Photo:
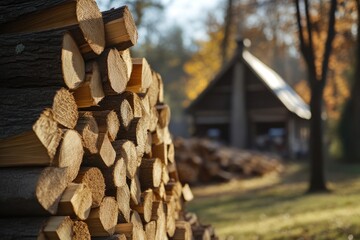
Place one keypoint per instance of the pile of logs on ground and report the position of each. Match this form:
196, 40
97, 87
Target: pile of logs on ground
85, 150
204, 161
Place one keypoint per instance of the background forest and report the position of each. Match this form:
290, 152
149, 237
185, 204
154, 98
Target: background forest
189, 51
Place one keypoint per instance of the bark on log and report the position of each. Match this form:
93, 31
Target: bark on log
93, 178
31, 191
90, 92
42, 15
33, 52
30, 103
120, 29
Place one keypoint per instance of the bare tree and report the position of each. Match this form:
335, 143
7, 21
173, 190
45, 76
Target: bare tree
317, 82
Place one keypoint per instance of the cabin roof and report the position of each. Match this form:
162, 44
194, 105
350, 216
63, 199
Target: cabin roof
289, 98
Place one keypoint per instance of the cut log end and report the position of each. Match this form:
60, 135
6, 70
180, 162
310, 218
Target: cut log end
117, 72
123, 201
91, 23
65, 109
80, 231
73, 65
58, 227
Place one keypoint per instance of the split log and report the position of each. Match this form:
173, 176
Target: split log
158, 135
45, 15
183, 231
144, 208
108, 122
124, 228
127, 150
187, 193
90, 91
153, 91
113, 72
138, 229
31, 191
75, 201
115, 176
174, 188
165, 178
123, 202
171, 152
120, 29
93, 178
33, 228
150, 230
105, 157
161, 222
30, 103
150, 173
148, 144
160, 192
161, 89
160, 151
141, 77
55, 50
126, 114
164, 115
81, 231
136, 134
172, 170
88, 129
135, 190
126, 56
102, 220
37, 147
154, 119
170, 217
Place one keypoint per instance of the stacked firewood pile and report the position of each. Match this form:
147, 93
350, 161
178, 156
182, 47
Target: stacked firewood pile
85, 150
203, 161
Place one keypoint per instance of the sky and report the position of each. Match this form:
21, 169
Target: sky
189, 14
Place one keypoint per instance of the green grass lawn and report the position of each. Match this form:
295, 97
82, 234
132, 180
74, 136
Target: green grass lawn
276, 206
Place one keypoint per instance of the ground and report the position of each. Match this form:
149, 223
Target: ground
276, 206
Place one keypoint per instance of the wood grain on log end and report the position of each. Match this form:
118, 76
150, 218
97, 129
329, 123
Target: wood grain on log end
94, 179
81, 231
65, 109
88, 129
123, 201
59, 227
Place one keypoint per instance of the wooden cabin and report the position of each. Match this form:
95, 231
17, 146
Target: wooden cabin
248, 105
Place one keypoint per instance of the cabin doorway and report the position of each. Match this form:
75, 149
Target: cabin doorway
270, 137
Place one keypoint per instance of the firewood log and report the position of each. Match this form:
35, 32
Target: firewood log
90, 92
125, 229
144, 208
56, 227
187, 193
150, 173
106, 155
170, 217
135, 190
115, 176
160, 151
31, 191
160, 222
113, 72
80, 231
102, 220
88, 129
171, 152
141, 77
159, 192
31, 102
127, 150
123, 202
93, 178
153, 91
183, 231
120, 29
164, 115
32, 52
41, 15
75, 201
165, 178
138, 229
150, 230
108, 122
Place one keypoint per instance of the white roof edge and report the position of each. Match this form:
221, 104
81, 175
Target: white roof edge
292, 101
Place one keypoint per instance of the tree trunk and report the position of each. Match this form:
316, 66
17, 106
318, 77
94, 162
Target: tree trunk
317, 178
